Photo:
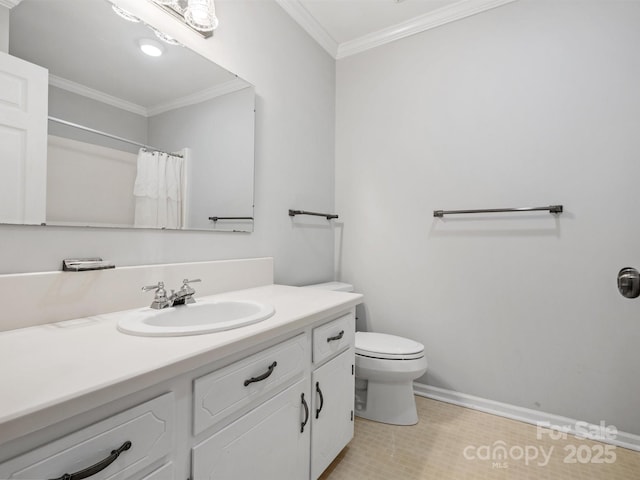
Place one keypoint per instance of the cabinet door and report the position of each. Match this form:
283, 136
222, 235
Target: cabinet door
332, 410
268, 443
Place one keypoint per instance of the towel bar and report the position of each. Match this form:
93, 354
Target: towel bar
550, 208
329, 216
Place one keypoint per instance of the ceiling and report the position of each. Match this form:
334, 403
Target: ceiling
346, 27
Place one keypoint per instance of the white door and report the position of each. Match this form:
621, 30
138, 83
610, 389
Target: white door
332, 410
268, 443
23, 140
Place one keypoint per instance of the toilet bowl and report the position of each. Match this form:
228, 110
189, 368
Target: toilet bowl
385, 368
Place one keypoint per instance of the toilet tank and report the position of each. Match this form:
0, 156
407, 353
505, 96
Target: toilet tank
336, 286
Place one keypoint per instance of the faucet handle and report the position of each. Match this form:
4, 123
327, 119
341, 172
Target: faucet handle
160, 300
159, 286
186, 289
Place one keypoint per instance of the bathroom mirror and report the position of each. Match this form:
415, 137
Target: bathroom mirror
106, 98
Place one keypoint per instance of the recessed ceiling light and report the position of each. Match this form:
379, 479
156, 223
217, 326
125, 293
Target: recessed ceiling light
151, 47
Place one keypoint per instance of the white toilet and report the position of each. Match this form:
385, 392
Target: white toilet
386, 366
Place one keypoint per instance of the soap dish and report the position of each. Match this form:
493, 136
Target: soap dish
84, 264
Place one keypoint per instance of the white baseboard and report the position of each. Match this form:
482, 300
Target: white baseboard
527, 415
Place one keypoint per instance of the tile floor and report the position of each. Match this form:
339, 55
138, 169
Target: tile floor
435, 449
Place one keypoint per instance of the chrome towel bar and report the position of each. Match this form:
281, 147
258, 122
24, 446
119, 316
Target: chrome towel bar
550, 209
329, 216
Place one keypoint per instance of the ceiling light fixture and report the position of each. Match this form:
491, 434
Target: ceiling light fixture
198, 14
151, 47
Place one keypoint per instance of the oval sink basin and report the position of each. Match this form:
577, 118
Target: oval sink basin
194, 318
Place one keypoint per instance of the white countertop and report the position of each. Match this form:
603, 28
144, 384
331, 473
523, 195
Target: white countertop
51, 372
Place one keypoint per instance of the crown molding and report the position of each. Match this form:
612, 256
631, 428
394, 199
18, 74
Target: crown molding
436, 18
308, 22
201, 96
9, 3
97, 95
441, 16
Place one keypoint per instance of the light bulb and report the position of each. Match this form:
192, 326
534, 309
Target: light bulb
200, 14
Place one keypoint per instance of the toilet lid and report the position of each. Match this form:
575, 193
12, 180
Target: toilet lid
382, 345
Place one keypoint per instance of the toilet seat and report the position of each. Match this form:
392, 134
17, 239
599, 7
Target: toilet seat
387, 347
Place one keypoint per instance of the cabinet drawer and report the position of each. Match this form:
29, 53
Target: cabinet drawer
333, 337
149, 427
231, 388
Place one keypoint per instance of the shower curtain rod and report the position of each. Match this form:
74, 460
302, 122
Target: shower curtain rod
115, 137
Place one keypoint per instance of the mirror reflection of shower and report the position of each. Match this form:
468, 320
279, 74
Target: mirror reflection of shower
103, 82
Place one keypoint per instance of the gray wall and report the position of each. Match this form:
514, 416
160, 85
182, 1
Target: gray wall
295, 88
532, 103
220, 136
97, 115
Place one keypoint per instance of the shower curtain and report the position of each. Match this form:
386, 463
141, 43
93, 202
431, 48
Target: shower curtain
158, 190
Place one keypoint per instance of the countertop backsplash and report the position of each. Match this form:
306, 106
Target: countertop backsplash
46, 297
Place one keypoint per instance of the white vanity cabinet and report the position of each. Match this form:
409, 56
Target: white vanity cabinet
332, 391
283, 411
298, 432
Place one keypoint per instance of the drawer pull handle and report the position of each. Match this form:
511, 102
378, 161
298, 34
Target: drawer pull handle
337, 337
98, 467
306, 413
259, 378
319, 392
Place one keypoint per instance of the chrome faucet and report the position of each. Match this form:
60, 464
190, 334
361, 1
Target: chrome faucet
181, 297
185, 294
160, 300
